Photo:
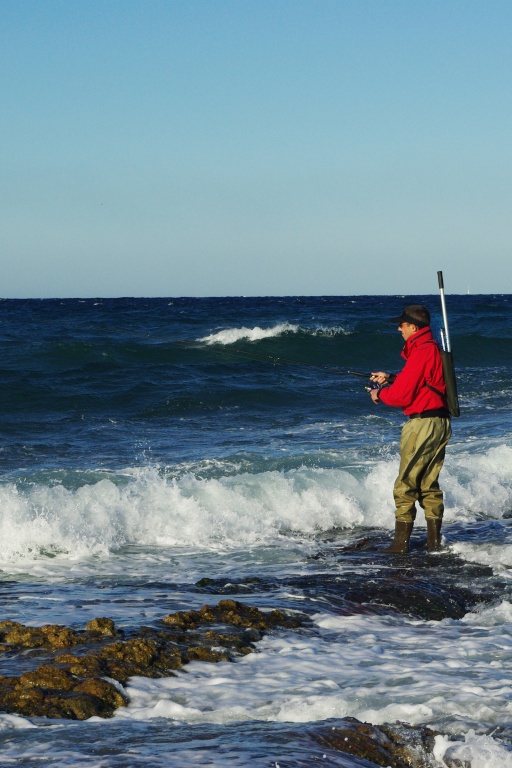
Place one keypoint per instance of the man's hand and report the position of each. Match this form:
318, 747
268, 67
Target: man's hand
379, 377
374, 394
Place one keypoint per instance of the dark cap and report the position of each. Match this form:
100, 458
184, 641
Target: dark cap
415, 314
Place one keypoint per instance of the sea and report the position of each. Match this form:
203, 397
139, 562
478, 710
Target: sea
161, 454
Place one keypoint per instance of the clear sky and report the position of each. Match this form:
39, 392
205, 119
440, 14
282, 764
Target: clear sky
255, 147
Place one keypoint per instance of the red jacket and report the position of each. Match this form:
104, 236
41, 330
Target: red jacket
423, 366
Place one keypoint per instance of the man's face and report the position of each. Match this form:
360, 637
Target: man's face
407, 330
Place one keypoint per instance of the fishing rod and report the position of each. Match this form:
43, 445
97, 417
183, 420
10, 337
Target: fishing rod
447, 357
371, 385
289, 361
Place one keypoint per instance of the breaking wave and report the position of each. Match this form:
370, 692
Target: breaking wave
232, 335
147, 507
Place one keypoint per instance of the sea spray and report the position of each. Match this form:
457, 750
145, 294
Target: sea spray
146, 506
232, 335
154, 510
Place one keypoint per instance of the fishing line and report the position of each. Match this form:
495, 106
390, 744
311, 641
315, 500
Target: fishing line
275, 359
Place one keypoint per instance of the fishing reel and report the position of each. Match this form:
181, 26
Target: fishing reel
373, 385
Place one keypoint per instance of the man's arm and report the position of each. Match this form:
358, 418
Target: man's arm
404, 389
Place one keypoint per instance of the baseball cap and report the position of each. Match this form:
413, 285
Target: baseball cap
415, 314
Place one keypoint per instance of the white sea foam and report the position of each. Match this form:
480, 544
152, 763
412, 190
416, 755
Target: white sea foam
477, 750
497, 556
151, 510
451, 674
14, 723
331, 330
232, 335
478, 483
143, 507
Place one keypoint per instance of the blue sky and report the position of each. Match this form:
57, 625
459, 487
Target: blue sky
255, 147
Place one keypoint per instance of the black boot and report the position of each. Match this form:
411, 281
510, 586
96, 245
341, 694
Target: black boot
400, 545
434, 533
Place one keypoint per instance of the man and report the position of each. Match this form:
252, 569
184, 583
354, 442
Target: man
420, 391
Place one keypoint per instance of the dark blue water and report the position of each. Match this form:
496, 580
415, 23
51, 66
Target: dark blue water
90, 383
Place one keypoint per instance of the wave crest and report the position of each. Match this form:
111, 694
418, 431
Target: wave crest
152, 510
232, 335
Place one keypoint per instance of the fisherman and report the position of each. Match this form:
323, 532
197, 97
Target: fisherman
420, 390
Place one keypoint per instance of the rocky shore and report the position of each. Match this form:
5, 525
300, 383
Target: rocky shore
84, 673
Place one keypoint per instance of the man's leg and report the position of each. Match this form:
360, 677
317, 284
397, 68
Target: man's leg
405, 490
405, 495
422, 450
431, 496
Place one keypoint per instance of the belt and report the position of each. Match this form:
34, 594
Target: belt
433, 412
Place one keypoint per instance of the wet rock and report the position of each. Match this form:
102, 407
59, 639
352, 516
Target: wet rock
399, 745
20, 699
181, 620
53, 692
25, 637
83, 666
226, 587
60, 637
251, 635
47, 676
101, 626
206, 582
413, 745
393, 590
242, 644
424, 600
233, 613
104, 690
73, 685
75, 706
7, 624
49, 636
200, 653
140, 656
136, 651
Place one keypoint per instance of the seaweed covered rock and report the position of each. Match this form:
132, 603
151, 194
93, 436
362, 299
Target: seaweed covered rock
397, 745
233, 613
102, 626
150, 657
49, 636
73, 685
48, 676
50, 691
103, 690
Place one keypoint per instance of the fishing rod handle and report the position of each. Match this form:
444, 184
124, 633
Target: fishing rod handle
440, 281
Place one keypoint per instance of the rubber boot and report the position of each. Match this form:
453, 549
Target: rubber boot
400, 545
434, 533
